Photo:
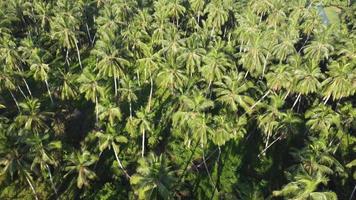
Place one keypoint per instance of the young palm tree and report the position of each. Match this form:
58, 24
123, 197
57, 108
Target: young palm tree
154, 178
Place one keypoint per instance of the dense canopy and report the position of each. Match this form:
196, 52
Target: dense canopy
178, 99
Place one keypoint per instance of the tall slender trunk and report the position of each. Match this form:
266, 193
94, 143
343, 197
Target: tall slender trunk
78, 53
268, 136
88, 32
32, 188
49, 92
295, 102
120, 164
14, 98
21, 91
67, 55
24, 80
96, 109
352, 194
138, 78
187, 164
143, 142
27, 87
264, 96
130, 107
264, 66
326, 99
51, 179
151, 91
115, 85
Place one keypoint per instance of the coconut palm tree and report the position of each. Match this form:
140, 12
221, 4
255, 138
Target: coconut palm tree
78, 163
111, 140
190, 118
67, 87
43, 151
171, 76
254, 56
109, 113
341, 81
191, 56
232, 91
31, 118
65, 27
15, 160
320, 48
321, 118
154, 178
110, 63
143, 124
91, 88
215, 65
127, 92
218, 14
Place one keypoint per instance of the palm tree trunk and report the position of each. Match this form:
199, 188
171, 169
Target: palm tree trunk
266, 148
138, 77
21, 91
352, 194
24, 80
326, 99
130, 107
51, 179
264, 96
115, 86
88, 32
80, 62
284, 98
207, 171
27, 87
264, 66
295, 102
67, 54
14, 98
32, 188
49, 92
268, 136
143, 142
187, 164
151, 91
96, 109
120, 164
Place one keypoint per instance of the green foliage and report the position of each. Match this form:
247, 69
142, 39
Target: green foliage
177, 99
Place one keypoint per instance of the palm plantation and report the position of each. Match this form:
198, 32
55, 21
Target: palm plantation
177, 99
